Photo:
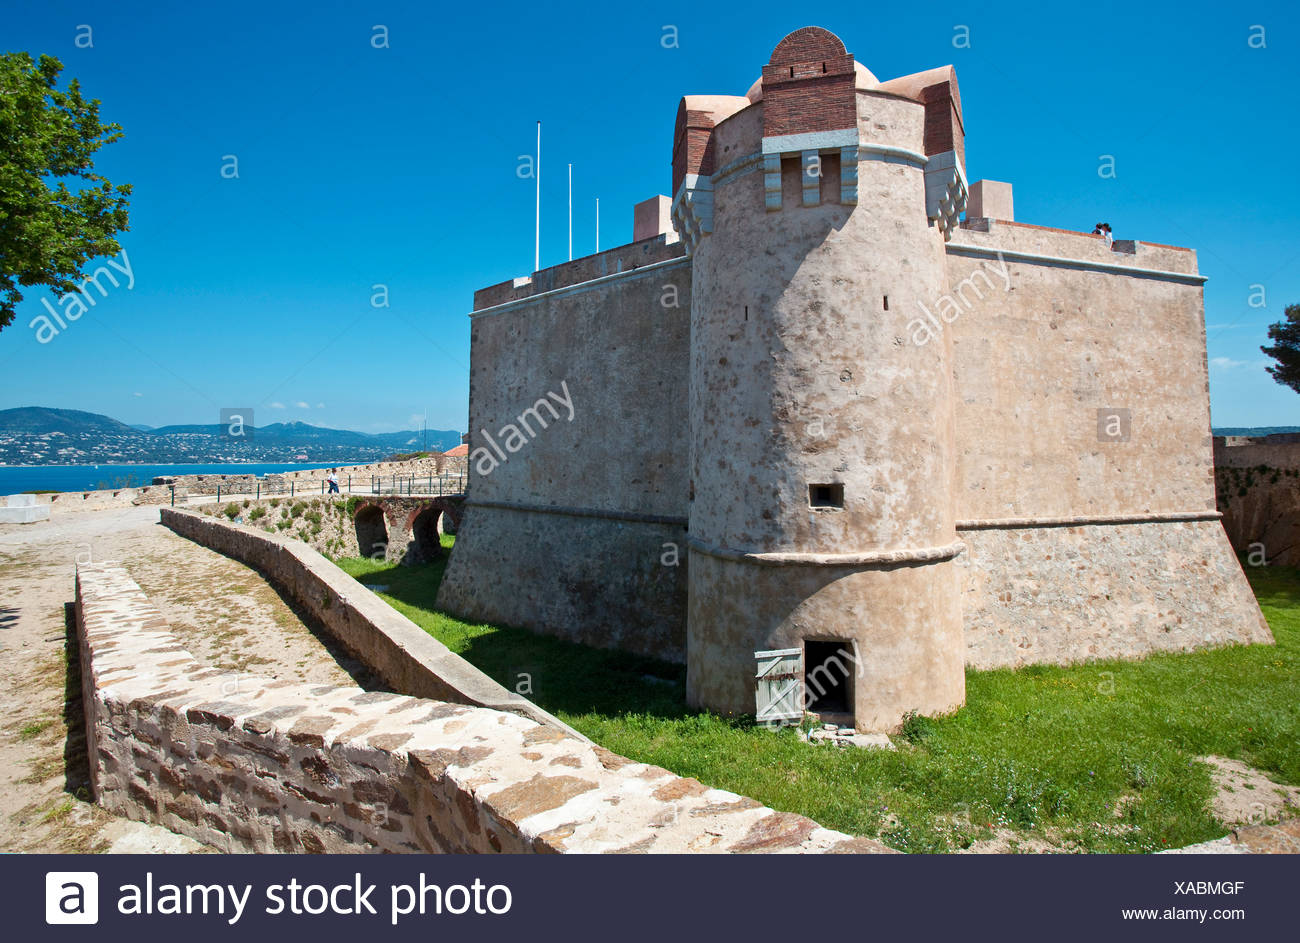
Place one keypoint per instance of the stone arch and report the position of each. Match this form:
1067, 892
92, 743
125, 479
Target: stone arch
451, 515
426, 528
372, 531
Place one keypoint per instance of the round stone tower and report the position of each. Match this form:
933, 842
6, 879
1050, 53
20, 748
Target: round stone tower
822, 441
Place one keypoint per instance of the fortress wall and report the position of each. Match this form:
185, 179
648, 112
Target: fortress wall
1036, 361
250, 764
905, 635
607, 583
623, 258
797, 377
565, 532
800, 376
1128, 543
408, 658
619, 355
1258, 484
1065, 594
1272, 451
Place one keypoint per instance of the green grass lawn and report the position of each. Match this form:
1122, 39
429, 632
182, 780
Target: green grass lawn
1102, 757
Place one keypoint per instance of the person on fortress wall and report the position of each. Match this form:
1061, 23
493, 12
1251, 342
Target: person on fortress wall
1103, 230
333, 480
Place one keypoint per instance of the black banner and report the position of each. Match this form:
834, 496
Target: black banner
1174, 897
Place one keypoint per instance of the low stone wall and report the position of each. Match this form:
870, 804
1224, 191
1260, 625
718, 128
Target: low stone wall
178, 488
399, 651
110, 497
252, 764
1055, 595
310, 479
1257, 483
400, 529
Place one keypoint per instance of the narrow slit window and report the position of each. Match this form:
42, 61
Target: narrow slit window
886, 302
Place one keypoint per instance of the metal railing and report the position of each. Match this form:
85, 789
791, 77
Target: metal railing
409, 485
416, 484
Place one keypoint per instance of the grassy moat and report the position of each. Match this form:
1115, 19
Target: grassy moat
1100, 757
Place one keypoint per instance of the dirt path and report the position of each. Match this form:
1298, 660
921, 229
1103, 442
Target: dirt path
224, 613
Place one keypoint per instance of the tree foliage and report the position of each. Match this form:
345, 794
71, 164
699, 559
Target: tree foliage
56, 213
1285, 335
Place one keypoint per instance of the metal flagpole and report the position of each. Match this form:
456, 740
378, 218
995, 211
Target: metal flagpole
597, 224
570, 212
537, 234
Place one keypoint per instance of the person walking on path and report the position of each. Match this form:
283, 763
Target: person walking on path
333, 480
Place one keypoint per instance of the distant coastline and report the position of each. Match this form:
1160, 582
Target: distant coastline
1253, 432
16, 479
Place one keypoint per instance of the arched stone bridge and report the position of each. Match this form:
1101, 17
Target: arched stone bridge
405, 529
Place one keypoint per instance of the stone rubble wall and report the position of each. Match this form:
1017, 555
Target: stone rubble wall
336, 534
399, 651
60, 501
558, 584
249, 764
1057, 595
1258, 486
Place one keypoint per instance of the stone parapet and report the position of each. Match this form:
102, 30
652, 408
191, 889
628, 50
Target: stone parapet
661, 248
252, 764
1016, 239
399, 651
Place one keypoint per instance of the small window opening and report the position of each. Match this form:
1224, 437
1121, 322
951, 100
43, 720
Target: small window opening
746, 312
826, 496
886, 302
828, 669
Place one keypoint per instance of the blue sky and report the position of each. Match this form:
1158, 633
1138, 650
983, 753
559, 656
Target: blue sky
361, 166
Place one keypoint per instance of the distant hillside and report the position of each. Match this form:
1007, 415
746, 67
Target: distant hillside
39, 420
1254, 430
34, 435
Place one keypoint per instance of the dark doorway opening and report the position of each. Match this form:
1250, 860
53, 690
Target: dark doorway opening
828, 669
424, 535
372, 532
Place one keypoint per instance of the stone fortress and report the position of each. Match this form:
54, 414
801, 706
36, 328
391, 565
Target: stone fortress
816, 412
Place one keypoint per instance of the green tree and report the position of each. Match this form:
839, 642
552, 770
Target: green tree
49, 230
1285, 335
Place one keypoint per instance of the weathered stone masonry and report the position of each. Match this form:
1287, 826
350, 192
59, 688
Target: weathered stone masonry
892, 417
251, 764
1258, 485
399, 651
